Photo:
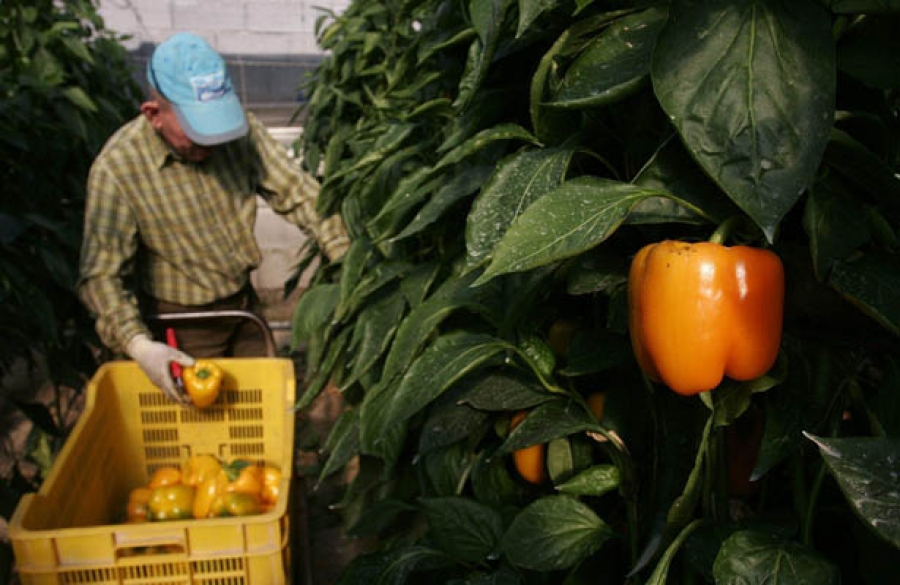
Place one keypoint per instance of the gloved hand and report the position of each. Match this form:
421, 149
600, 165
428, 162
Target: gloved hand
154, 358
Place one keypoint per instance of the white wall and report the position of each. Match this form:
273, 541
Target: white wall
248, 27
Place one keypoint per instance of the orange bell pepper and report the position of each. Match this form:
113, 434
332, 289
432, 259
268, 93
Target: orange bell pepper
702, 311
529, 460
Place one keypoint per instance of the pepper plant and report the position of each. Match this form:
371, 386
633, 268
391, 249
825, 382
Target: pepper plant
65, 85
498, 164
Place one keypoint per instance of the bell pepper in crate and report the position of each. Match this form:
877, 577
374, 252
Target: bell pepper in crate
202, 382
171, 502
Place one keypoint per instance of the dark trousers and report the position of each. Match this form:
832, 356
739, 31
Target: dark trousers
213, 337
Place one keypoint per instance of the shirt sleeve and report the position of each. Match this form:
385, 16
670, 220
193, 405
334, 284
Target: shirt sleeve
292, 193
109, 247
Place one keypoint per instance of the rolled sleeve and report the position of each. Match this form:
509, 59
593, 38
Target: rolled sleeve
292, 193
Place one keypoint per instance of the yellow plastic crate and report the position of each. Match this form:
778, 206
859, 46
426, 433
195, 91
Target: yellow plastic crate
70, 531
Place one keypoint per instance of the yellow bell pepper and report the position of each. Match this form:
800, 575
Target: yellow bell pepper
171, 502
199, 468
202, 382
271, 486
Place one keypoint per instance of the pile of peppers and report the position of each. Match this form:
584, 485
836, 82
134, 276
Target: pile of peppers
205, 487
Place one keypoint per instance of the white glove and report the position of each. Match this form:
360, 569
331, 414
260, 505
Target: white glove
154, 357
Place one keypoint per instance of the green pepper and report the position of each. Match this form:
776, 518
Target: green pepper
171, 502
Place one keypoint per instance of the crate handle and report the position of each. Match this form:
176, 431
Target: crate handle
195, 316
157, 542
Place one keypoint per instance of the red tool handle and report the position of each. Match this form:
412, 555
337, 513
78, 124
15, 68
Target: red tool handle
175, 366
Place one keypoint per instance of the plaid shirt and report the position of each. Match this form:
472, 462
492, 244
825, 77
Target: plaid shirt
184, 231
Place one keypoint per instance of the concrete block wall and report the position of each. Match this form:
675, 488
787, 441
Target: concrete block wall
245, 27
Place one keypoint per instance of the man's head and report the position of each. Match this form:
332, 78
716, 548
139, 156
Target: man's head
193, 82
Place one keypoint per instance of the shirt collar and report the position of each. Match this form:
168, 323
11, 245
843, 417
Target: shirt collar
160, 153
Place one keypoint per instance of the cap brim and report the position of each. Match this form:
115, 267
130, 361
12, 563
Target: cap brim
211, 123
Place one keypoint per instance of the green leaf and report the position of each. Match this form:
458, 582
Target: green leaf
313, 311
752, 556
592, 351
569, 220
615, 64
462, 185
867, 470
503, 390
421, 321
448, 359
594, 481
392, 567
449, 420
517, 182
662, 567
864, 169
554, 533
373, 332
483, 139
378, 517
548, 421
871, 283
77, 96
750, 88
699, 200
342, 443
834, 225
530, 10
466, 530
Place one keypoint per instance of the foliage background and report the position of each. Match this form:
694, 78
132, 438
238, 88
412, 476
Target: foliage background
65, 86
498, 163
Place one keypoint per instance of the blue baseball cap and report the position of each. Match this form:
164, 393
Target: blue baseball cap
191, 75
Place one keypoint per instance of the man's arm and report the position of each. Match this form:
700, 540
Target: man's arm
292, 193
107, 256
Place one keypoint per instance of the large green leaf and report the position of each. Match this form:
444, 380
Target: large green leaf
614, 64
447, 360
867, 470
373, 332
750, 88
503, 391
871, 283
751, 557
418, 325
553, 533
517, 182
466, 530
572, 218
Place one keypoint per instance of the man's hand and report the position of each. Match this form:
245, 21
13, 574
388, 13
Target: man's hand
154, 358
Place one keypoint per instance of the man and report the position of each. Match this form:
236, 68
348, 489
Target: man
170, 213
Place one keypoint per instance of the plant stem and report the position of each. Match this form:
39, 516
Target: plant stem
724, 230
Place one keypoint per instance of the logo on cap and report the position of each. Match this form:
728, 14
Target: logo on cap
210, 87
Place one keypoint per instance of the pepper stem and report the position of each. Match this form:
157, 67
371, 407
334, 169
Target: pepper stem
724, 230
